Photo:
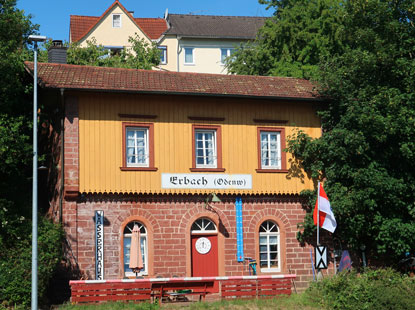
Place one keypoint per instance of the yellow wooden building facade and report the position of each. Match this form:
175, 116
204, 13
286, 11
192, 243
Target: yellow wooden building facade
101, 119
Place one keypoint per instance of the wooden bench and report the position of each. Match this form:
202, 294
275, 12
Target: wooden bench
170, 290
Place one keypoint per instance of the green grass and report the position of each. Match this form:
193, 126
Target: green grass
294, 302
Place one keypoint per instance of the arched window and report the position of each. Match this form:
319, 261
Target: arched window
202, 226
269, 247
127, 243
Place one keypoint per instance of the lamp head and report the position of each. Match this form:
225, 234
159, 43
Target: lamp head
36, 38
215, 198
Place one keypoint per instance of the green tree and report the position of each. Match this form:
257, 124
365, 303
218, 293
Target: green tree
141, 55
367, 151
292, 42
16, 166
15, 109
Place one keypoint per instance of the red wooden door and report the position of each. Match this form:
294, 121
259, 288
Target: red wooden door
205, 265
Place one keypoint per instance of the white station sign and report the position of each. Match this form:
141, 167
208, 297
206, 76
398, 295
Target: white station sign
206, 181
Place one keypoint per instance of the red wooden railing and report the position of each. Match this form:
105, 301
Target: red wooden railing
258, 288
109, 291
92, 291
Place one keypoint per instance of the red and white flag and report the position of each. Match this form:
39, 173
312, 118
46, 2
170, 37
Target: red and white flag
326, 220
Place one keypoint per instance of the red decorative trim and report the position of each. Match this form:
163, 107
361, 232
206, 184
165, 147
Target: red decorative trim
138, 168
150, 127
218, 149
207, 169
137, 116
283, 154
271, 170
206, 118
270, 121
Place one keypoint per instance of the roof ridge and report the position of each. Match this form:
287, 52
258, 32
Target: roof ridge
168, 72
83, 15
241, 16
149, 18
109, 79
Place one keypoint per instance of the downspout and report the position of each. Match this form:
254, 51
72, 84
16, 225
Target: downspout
62, 90
178, 51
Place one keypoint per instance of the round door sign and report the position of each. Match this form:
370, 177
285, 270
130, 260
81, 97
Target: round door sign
203, 245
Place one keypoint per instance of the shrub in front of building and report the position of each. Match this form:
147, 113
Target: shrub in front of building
16, 264
373, 289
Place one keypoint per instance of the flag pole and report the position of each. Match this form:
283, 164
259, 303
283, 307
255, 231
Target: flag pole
318, 214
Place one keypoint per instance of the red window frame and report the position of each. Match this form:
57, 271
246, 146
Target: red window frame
283, 154
150, 127
218, 130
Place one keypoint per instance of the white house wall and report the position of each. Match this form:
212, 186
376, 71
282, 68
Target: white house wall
106, 35
206, 53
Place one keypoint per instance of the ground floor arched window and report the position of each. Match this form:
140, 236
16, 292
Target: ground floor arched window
269, 247
127, 244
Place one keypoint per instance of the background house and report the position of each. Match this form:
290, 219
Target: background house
113, 28
188, 43
150, 148
200, 43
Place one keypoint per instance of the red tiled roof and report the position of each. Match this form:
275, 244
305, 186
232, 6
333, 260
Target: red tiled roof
81, 25
152, 27
146, 81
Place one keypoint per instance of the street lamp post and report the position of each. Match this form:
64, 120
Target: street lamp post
35, 40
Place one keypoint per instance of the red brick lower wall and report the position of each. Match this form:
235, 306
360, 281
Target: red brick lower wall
168, 224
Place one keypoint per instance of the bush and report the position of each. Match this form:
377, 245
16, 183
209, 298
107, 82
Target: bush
16, 265
380, 289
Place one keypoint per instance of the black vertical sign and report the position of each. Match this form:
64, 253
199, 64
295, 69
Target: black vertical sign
99, 245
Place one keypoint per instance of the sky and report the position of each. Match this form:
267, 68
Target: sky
53, 15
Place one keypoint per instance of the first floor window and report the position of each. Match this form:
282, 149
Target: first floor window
113, 50
206, 153
137, 147
270, 149
188, 55
163, 54
225, 53
116, 21
143, 246
269, 247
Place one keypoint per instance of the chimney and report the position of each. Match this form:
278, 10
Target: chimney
57, 52
132, 13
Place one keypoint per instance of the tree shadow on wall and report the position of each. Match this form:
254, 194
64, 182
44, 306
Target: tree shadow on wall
59, 290
295, 170
222, 229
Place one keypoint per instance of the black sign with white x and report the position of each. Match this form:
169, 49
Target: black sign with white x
321, 257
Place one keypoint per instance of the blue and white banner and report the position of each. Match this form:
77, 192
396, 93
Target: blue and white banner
239, 231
